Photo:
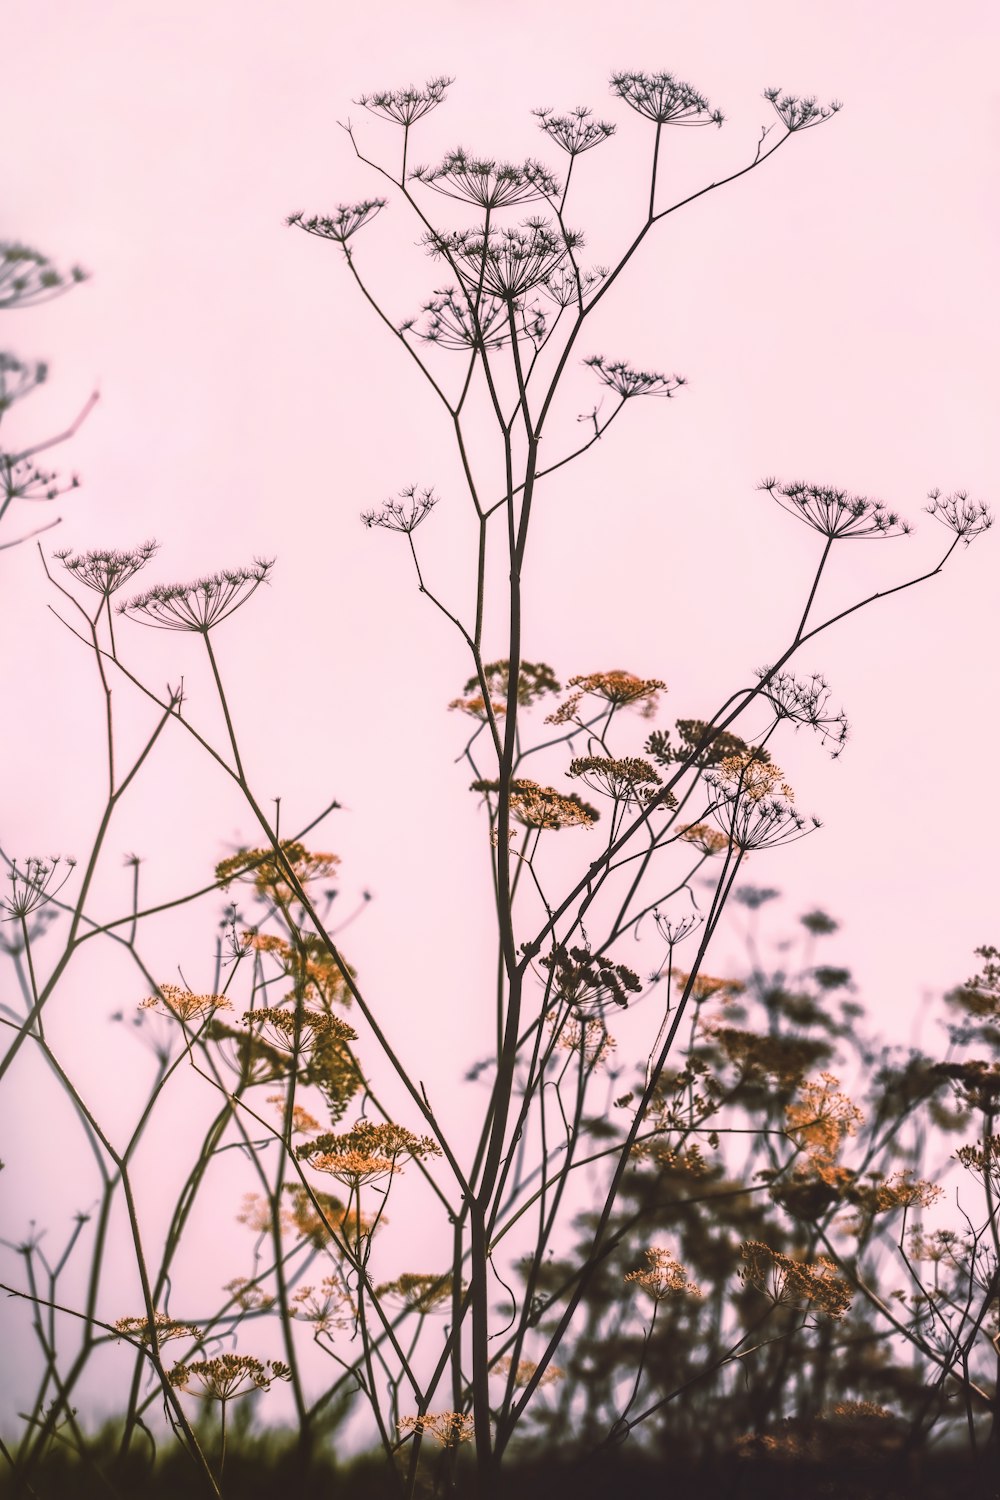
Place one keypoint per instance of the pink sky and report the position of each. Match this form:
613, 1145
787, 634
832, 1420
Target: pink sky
834, 314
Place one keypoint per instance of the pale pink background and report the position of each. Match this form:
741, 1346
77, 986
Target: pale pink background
835, 314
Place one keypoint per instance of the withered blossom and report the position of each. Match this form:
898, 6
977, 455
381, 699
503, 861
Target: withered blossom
449, 1427
227, 1375
835, 513
406, 106
27, 277
180, 1004
663, 1277
32, 887
485, 182
201, 605
664, 99
504, 263
342, 224
966, 518
575, 132
106, 571
797, 113
537, 806
628, 382
795, 1283
405, 513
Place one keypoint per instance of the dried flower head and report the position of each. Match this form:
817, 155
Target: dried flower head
327, 1307
165, 1328
571, 283
406, 106
785, 1059
18, 379
504, 263
475, 706
342, 224
269, 873
705, 986
454, 320
200, 605
588, 1038
747, 812
449, 1427
525, 1371
800, 114
487, 183
795, 1283
405, 513
366, 1152
708, 840
618, 689
535, 679
27, 277
663, 99
805, 700
227, 1375
966, 518
22, 480
105, 572
538, 806
663, 1277
180, 1004
589, 981
419, 1292
302, 1122
297, 1029
626, 778
820, 1120
575, 132
318, 1216
248, 1295
32, 887
628, 382
834, 513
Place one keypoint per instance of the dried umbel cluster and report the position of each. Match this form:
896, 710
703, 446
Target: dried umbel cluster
788, 1282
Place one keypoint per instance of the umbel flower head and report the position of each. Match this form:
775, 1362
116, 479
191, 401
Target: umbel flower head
453, 321
449, 1427
31, 887
834, 513
966, 518
269, 873
419, 1292
18, 379
626, 779
629, 382
589, 981
345, 221
575, 132
227, 1375
106, 572
485, 182
805, 700
406, 106
27, 277
663, 99
200, 605
298, 1028
164, 1326
617, 689
747, 810
366, 1152
504, 263
795, 1283
663, 1277
405, 513
180, 1004
537, 806
800, 114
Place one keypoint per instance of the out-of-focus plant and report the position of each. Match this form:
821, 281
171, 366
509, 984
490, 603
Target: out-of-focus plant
466, 1351
28, 278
